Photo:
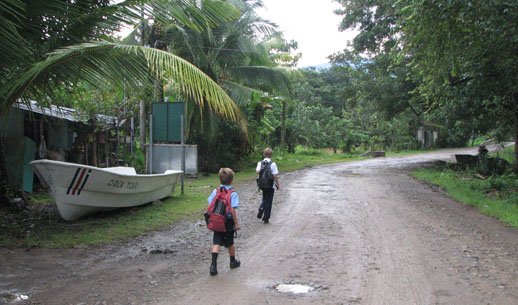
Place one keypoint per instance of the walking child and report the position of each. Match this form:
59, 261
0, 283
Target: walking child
264, 169
226, 176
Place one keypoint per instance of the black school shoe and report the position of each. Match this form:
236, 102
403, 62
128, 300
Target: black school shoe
235, 264
213, 269
260, 214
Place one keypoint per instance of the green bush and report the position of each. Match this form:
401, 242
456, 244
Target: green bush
137, 160
512, 199
307, 151
489, 166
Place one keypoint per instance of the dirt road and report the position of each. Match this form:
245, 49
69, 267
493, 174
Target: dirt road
354, 233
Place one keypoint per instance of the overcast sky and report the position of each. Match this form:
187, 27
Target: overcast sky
312, 24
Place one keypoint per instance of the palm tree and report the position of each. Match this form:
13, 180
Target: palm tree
56, 52
233, 57
231, 53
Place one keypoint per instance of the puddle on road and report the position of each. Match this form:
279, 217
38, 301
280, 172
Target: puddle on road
294, 288
348, 173
11, 298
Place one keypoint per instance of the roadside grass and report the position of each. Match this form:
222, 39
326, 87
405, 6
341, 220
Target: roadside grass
122, 225
403, 153
507, 154
495, 196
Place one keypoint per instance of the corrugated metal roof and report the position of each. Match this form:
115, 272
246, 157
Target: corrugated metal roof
60, 112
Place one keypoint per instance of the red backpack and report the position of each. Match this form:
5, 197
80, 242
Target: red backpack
216, 216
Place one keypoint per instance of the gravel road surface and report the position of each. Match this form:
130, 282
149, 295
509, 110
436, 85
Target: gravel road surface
352, 233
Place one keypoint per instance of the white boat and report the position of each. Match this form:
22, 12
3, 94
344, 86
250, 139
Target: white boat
79, 190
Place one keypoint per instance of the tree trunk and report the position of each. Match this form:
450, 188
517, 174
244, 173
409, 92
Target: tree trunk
160, 90
515, 129
117, 141
94, 152
4, 184
142, 114
87, 141
394, 139
283, 127
142, 122
43, 146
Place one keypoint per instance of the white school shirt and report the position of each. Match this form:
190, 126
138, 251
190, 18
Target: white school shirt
273, 166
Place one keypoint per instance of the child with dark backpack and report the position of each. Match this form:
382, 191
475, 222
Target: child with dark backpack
268, 176
222, 219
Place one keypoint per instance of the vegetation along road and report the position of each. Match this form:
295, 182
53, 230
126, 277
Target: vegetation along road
363, 232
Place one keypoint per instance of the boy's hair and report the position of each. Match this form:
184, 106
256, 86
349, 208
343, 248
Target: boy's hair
226, 176
268, 153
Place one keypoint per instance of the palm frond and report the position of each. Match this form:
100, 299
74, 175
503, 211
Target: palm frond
240, 94
119, 64
267, 124
257, 76
193, 14
12, 48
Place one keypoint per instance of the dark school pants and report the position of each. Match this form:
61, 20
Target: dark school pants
266, 205
225, 238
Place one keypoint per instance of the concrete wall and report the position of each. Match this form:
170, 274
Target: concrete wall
427, 137
169, 156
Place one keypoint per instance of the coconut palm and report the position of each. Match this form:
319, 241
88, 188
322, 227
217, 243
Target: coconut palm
233, 57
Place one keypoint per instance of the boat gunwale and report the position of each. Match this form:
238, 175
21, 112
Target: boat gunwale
104, 170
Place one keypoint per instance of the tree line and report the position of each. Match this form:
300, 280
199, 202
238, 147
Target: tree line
449, 63
454, 61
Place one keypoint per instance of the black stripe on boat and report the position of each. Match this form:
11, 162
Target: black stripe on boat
73, 180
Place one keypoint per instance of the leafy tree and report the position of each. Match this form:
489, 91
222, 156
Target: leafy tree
281, 51
376, 21
460, 55
456, 45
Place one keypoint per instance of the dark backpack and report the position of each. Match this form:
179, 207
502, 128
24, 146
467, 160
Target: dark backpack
265, 179
217, 217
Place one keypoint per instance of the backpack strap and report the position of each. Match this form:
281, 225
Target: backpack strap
224, 193
229, 199
220, 193
264, 164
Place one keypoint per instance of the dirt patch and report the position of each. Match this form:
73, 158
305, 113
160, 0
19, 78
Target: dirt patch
357, 233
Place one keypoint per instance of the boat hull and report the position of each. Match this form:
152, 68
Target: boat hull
80, 190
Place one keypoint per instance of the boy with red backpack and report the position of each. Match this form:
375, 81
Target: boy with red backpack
225, 198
